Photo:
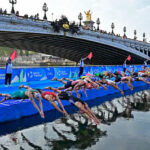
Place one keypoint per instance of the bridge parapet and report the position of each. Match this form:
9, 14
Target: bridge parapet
20, 24
140, 46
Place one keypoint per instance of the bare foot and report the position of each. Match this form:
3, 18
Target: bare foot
54, 79
66, 114
21, 86
122, 92
105, 88
97, 122
131, 88
49, 88
42, 115
90, 120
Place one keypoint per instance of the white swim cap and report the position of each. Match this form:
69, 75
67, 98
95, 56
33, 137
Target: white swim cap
37, 96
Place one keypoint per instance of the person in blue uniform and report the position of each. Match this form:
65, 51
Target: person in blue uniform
8, 74
81, 66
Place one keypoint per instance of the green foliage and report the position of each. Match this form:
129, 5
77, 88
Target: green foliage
5, 51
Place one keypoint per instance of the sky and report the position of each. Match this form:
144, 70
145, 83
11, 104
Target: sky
130, 13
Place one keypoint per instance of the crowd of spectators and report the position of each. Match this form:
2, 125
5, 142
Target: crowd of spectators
33, 17
3, 11
102, 31
58, 25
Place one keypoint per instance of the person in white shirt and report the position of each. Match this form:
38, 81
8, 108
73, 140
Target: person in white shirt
124, 66
8, 74
81, 66
145, 63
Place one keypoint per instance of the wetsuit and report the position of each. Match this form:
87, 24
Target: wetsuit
141, 74
19, 95
135, 76
100, 75
94, 79
70, 84
66, 96
118, 76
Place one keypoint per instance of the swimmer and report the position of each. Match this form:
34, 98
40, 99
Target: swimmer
63, 95
25, 94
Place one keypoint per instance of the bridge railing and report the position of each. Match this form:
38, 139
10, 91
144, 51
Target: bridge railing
140, 46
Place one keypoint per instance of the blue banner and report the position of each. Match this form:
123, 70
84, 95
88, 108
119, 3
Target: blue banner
50, 73
38, 74
15, 76
62, 72
23, 75
74, 71
2, 76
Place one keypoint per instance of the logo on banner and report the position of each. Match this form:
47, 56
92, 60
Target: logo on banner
2, 76
62, 73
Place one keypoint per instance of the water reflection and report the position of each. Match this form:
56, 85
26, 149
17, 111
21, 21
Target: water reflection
139, 101
85, 134
77, 132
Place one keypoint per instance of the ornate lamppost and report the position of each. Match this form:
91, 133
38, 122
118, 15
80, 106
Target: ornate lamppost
124, 30
98, 23
112, 26
45, 9
144, 39
52, 16
80, 17
135, 37
13, 2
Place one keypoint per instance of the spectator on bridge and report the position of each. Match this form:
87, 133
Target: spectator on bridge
31, 17
17, 13
5, 12
36, 17
25, 16
8, 73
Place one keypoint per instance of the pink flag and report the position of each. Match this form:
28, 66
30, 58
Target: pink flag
129, 58
90, 55
13, 55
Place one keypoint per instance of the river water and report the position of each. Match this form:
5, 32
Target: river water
125, 124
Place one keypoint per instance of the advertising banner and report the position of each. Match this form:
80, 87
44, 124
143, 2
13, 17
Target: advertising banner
2, 76
50, 73
15, 76
61, 72
36, 74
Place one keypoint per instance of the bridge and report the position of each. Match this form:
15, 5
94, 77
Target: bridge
39, 36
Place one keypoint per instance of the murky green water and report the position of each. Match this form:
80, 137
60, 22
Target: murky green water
125, 124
